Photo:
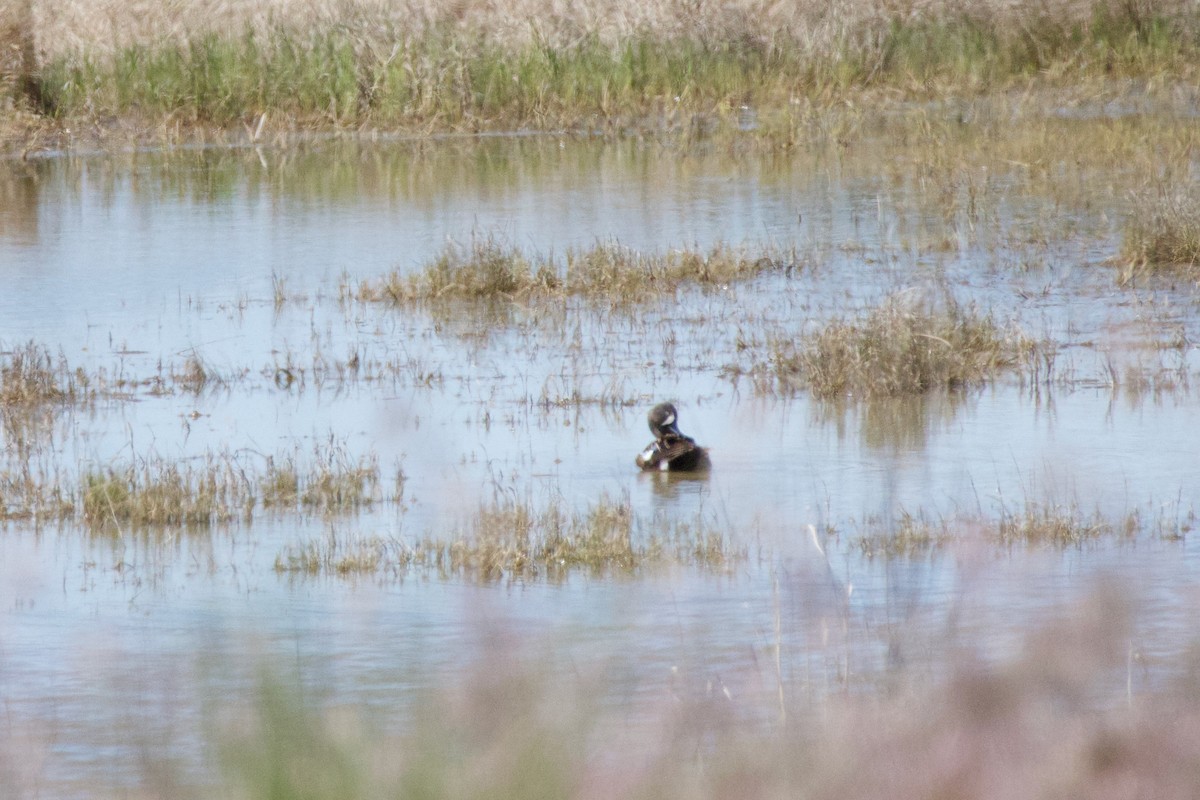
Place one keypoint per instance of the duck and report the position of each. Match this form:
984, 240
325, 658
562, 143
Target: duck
670, 451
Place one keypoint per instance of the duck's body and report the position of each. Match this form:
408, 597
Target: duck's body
670, 451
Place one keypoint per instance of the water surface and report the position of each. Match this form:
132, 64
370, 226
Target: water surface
121, 650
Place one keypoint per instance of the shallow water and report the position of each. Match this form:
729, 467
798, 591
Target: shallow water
120, 650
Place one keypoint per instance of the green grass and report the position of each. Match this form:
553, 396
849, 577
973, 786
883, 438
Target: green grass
442, 75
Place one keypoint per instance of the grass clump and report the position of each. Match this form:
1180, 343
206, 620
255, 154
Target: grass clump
1058, 526
1162, 235
610, 270
30, 375
897, 349
169, 494
485, 269
515, 540
490, 270
332, 555
219, 489
333, 483
911, 536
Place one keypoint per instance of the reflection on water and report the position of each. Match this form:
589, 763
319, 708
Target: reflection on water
114, 647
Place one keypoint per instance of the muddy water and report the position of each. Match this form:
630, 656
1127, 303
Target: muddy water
121, 651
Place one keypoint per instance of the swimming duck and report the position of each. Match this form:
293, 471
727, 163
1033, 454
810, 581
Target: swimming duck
671, 450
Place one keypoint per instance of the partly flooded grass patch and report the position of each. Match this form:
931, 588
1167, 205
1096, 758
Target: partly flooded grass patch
332, 481
166, 494
1034, 524
899, 348
31, 375
223, 488
1162, 236
488, 269
516, 540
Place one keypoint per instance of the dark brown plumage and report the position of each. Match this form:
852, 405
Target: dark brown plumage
670, 450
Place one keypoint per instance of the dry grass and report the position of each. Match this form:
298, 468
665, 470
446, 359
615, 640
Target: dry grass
333, 482
489, 270
1045, 524
160, 493
612, 271
222, 488
31, 375
485, 269
513, 540
267, 68
1162, 236
32, 494
900, 348
912, 536
1057, 526
821, 29
346, 556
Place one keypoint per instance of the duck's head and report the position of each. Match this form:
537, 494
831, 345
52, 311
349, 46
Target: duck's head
662, 419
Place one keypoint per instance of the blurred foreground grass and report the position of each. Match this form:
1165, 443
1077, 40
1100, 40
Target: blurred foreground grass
1056, 718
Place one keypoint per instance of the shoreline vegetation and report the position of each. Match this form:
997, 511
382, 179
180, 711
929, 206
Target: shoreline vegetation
75, 74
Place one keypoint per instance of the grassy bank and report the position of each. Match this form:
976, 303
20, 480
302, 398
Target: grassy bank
597, 66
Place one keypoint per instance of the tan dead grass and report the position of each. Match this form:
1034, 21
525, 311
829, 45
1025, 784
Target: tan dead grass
902, 347
1162, 235
820, 28
490, 269
518, 540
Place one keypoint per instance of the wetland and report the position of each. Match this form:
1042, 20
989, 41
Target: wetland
318, 467
228, 450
